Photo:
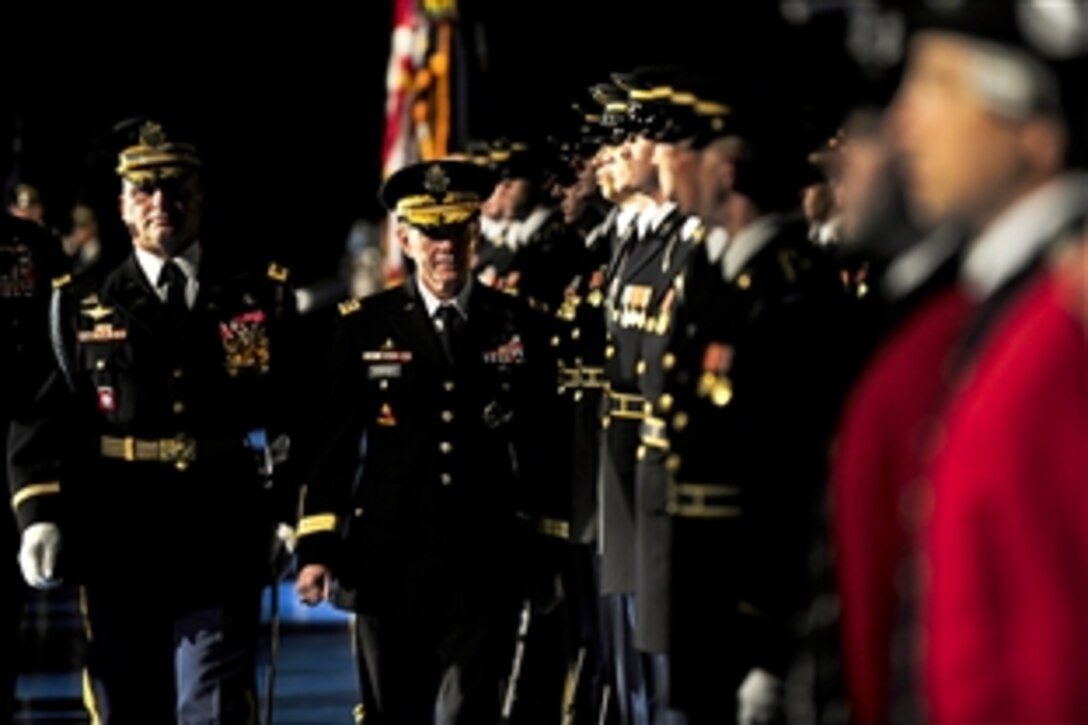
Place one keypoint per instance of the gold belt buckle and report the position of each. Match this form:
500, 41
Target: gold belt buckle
568, 378
179, 451
593, 378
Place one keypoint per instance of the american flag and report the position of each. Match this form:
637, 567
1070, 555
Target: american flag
419, 102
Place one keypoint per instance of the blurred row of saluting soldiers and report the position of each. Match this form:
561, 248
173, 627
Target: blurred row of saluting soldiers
677, 417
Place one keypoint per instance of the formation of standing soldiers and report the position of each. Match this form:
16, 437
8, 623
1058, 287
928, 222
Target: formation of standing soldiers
687, 334
700, 381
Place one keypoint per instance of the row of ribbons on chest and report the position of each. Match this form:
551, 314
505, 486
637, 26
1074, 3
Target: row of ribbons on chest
633, 310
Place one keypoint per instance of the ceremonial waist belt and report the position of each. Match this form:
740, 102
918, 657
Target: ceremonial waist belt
704, 501
180, 451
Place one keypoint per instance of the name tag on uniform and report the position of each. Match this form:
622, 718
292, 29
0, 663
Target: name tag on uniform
384, 371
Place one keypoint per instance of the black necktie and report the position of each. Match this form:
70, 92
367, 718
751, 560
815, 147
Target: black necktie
450, 332
175, 281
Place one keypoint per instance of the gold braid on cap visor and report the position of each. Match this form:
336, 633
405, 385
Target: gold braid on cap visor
147, 162
426, 211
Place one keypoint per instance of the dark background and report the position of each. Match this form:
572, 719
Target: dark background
288, 105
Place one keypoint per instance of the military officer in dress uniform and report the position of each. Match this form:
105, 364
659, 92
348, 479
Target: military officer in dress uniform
446, 386
150, 442
29, 259
670, 118
748, 404
635, 276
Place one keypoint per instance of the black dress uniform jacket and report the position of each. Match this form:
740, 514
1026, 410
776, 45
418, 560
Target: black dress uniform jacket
653, 526
634, 279
749, 403
144, 443
545, 261
29, 258
454, 457
580, 340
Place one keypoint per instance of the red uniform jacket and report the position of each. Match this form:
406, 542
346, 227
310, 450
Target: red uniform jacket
1005, 604
878, 454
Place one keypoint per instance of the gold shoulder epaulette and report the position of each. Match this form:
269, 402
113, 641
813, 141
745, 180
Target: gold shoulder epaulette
62, 281
349, 307
277, 273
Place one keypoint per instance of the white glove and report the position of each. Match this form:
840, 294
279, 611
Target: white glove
38, 555
285, 534
759, 699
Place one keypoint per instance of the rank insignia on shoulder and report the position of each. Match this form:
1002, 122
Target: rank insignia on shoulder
277, 273
349, 306
62, 281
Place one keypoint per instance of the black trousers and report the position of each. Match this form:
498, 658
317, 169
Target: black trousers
592, 635
146, 664
432, 672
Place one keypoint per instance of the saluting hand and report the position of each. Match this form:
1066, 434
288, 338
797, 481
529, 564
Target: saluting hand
313, 584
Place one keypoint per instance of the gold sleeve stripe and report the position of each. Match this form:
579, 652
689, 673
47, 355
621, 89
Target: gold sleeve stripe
316, 524
34, 490
90, 702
